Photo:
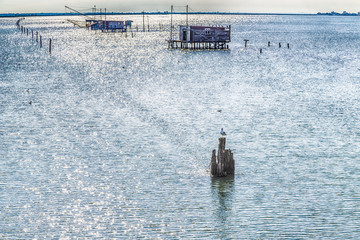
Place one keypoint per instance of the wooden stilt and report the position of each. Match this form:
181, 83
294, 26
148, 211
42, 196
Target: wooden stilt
50, 45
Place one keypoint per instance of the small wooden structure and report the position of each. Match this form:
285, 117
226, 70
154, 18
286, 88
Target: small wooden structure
202, 37
198, 37
109, 26
223, 164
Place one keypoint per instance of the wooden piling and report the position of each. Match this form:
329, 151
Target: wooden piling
40, 41
260, 50
223, 164
37, 37
246, 41
268, 43
288, 45
50, 45
279, 45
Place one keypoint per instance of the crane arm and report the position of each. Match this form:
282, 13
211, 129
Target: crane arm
78, 12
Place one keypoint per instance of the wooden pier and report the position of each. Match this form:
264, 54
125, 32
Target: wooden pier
222, 164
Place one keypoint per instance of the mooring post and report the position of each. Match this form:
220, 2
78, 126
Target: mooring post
223, 164
37, 37
50, 46
260, 50
268, 43
27, 32
246, 41
32, 34
288, 45
143, 21
279, 45
40, 41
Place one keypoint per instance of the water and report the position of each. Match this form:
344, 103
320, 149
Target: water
117, 141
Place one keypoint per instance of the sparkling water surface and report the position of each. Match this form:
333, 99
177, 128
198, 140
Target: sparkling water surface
117, 141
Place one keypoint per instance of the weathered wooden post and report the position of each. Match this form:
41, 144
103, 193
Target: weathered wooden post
143, 21
37, 37
50, 46
279, 45
246, 41
260, 50
288, 45
40, 41
268, 43
223, 164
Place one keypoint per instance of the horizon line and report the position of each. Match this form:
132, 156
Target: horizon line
44, 14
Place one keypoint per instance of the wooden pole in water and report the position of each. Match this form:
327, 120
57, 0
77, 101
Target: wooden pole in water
171, 27
37, 37
50, 46
268, 43
223, 164
143, 21
148, 23
40, 41
32, 34
246, 41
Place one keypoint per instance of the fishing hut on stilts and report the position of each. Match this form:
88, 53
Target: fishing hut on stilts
198, 37
106, 26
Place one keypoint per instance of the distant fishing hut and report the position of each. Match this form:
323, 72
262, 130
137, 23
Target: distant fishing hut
99, 24
109, 25
200, 37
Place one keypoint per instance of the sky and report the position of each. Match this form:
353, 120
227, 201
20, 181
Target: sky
244, 6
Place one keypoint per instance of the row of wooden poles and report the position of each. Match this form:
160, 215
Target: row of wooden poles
151, 29
269, 44
35, 35
161, 28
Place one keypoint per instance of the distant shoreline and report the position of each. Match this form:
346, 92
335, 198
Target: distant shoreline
148, 13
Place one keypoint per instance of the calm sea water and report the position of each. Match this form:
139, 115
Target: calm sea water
117, 141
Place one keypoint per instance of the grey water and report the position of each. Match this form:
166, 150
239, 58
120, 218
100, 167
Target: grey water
117, 140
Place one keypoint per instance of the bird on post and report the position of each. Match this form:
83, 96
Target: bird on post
222, 132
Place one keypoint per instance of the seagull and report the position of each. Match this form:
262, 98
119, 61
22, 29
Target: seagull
223, 134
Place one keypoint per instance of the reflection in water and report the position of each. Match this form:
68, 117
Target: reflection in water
222, 190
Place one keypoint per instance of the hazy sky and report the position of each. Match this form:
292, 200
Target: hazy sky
258, 6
